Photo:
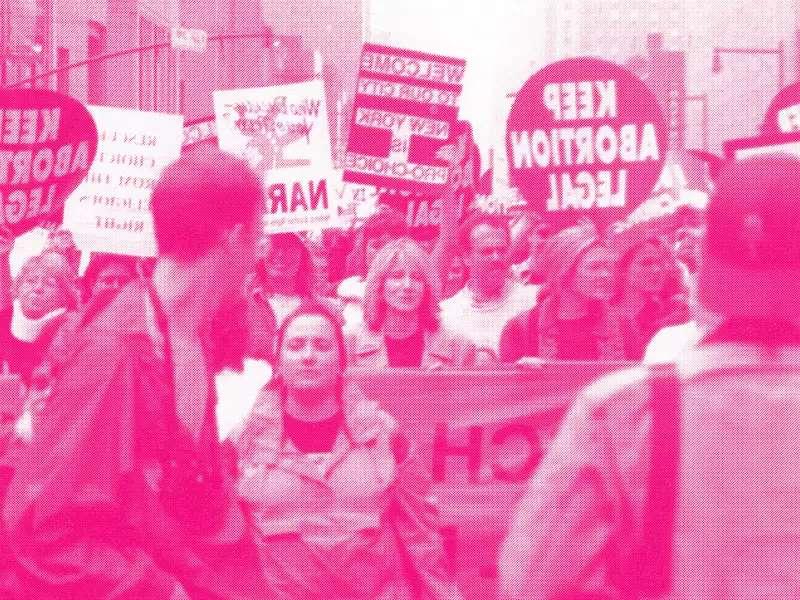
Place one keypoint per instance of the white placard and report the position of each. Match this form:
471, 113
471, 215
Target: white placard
110, 210
194, 40
283, 133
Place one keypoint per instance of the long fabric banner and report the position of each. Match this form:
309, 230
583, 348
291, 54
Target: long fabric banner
481, 434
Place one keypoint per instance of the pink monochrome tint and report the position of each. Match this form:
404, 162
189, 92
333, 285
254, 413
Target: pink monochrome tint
399, 300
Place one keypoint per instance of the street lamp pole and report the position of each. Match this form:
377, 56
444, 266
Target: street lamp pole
154, 47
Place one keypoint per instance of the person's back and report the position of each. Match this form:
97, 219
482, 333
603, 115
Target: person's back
736, 531
123, 490
726, 515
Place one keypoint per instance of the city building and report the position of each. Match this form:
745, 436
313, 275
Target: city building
757, 42
39, 36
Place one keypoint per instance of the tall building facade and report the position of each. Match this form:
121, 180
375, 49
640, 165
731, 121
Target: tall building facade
732, 97
45, 35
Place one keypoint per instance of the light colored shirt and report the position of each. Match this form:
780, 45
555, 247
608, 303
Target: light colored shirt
237, 393
482, 323
668, 344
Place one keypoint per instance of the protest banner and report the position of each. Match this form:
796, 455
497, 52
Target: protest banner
585, 139
110, 210
283, 132
405, 106
355, 201
47, 144
480, 434
783, 113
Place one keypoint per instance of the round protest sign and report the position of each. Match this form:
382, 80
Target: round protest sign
783, 113
47, 144
585, 139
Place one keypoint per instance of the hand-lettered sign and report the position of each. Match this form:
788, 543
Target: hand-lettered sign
47, 144
110, 210
283, 132
585, 139
405, 106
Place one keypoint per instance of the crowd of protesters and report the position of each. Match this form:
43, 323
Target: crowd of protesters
118, 482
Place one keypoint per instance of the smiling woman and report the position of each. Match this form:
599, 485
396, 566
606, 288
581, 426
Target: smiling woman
401, 315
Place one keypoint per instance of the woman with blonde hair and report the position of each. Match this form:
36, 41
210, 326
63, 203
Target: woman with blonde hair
401, 315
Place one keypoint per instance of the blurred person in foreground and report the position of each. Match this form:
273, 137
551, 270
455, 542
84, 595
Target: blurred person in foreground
123, 491
682, 481
401, 315
572, 320
335, 493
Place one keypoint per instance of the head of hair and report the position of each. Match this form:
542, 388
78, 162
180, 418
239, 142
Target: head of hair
98, 262
199, 197
304, 279
387, 221
626, 259
55, 265
382, 264
310, 307
476, 219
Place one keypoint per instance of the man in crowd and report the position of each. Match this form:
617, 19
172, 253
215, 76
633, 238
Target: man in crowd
491, 297
684, 480
123, 491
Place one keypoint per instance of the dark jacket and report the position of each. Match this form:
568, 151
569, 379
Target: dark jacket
112, 498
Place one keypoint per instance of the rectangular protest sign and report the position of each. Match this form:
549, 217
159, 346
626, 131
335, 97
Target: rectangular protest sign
480, 434
110, 210
283, 132
405, 107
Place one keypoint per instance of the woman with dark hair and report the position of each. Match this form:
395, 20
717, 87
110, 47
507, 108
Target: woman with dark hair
107, 272
285, 274
401, 315
283, 279
334, 493
647, 296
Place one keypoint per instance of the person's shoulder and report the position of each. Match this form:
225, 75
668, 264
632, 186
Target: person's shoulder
522, 293
667, 344
116, 310
619, 396
110, 325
